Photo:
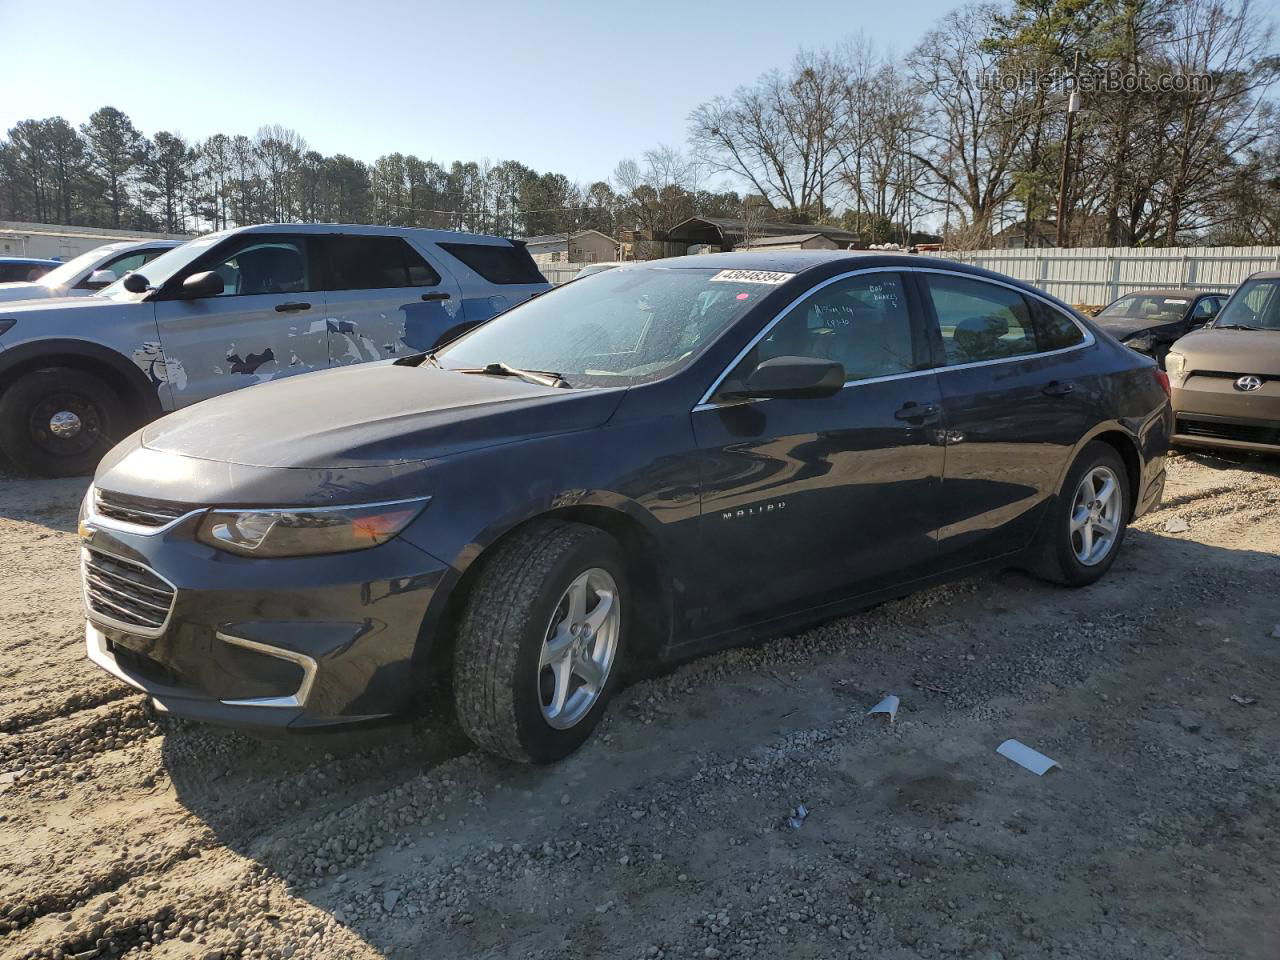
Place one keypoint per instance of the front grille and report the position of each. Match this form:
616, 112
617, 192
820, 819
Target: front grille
139, 664
136, 510
1227, 375
1226, 430
124, 592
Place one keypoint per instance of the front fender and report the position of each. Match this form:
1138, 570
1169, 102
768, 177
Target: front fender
36, 354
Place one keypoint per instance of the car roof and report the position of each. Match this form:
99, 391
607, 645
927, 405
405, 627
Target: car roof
1174, 292
364, 229
33, 261
832, 262
133, 244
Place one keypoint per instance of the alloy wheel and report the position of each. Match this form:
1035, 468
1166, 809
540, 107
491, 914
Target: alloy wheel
1095, 515
579, 648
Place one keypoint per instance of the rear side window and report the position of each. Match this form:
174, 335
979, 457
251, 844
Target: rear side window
1054, 329
497, 262
374, 263
980, 321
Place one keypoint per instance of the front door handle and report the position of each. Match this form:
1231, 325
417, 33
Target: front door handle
435, 296
918, 413
293, 306
1060, 388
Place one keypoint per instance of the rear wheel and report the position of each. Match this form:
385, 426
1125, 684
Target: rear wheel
60, 421
1081, 537
540, 642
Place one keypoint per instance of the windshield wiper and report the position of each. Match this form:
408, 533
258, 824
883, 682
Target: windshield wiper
543, 378
1234, 326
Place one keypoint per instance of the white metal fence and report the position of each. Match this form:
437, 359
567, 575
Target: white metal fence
1097, 275
558, 273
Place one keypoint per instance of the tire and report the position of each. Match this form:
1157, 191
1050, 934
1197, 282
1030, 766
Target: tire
29, 406
1057, 555
505, 698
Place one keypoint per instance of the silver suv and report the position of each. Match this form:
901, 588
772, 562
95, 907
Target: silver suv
89, 272
232, 309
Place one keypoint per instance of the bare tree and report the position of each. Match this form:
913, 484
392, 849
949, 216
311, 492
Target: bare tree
972, 133
782, 135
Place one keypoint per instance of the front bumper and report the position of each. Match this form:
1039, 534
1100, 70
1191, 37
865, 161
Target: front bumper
279, 642
1211, 412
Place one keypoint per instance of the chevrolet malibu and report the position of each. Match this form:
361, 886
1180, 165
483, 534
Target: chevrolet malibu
652, 462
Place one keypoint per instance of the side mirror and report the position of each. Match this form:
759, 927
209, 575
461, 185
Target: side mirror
206, 284
136, 283
101, 278
789, 377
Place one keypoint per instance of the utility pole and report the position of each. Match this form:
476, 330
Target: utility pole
1073, 107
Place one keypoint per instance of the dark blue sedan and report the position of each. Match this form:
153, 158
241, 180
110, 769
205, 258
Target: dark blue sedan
660, 459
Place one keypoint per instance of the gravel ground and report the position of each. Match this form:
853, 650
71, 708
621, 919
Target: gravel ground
670, 834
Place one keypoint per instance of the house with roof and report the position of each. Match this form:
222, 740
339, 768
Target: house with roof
727, 233
582, 246
790, 241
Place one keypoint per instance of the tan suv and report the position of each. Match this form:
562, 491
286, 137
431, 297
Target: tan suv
1225, 377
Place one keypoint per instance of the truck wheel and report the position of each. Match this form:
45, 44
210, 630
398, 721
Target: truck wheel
60, 421
540, 643
1082, 535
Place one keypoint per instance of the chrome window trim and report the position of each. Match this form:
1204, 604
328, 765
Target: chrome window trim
131, 628
299, 697
92, 516
1088, 341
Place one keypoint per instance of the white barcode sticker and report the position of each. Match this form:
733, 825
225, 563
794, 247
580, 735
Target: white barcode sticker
751, 276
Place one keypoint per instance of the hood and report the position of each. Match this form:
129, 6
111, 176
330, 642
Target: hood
24, 308
1232, 351
374, 414
11, 292
1121, 327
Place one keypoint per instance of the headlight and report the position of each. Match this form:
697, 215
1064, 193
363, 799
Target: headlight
1175, 364
305, 531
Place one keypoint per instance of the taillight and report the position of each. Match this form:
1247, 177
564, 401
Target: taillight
1162, 378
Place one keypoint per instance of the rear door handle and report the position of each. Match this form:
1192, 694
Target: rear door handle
1060, 388
918, 412
435, 296
293, 306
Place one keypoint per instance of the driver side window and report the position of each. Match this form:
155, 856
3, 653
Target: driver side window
862, 322
264, 265
1207, 308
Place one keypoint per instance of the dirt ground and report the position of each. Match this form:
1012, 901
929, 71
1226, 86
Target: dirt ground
668, 835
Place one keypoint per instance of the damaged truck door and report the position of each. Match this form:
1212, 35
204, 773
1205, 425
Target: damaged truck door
385, 298
267, 322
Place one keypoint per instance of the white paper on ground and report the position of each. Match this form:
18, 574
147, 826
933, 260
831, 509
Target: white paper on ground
1024, 756
888, 705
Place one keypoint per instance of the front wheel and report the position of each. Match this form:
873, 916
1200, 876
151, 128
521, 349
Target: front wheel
1081, 537
60, 421
540, 642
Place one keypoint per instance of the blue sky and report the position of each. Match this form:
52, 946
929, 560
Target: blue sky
568, 86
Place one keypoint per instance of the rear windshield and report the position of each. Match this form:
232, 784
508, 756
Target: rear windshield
497, 262
1145, 306
1255, 305
618, 328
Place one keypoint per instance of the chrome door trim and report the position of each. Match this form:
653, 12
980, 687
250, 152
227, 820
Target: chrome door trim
1088, 341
